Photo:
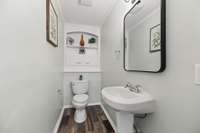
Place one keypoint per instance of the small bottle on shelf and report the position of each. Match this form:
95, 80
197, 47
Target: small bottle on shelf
82, 42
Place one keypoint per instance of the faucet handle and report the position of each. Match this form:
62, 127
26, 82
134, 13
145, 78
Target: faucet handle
139, 88
128, 84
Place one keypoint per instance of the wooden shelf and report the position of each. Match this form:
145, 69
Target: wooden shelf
82, 32
79, 47
76, 35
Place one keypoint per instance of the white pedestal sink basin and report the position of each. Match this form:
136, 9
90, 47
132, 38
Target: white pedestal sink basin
127, 103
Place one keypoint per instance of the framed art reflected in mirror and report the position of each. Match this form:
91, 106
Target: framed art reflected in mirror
155, 39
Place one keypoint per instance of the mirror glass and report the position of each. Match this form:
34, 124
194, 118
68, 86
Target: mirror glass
144, 41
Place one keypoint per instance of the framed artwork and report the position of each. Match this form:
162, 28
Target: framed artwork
51, 24
155, 38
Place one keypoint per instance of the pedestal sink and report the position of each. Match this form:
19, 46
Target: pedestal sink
127, 103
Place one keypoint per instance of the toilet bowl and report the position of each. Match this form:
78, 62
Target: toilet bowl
80, 100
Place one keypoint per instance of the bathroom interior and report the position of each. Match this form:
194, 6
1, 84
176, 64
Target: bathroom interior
100, 66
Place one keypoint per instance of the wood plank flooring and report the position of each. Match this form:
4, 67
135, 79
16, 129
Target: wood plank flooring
96, 122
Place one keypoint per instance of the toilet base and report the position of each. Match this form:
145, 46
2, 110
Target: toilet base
80, 115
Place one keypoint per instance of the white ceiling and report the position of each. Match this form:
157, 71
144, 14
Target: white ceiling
94, 15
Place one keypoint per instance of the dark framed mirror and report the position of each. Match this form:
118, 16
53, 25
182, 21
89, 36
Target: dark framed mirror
145, 36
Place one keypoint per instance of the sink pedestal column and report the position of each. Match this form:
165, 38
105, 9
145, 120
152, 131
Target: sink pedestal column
125, 122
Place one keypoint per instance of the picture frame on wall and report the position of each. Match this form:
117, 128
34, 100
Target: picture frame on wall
51, 24
155, 39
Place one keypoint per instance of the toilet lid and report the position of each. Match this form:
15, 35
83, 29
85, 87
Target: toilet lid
80, 98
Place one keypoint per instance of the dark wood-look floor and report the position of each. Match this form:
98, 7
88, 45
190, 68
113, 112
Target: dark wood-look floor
96, 122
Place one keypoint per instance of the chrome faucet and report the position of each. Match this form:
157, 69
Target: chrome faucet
136, 89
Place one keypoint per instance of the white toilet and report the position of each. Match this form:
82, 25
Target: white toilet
80, 99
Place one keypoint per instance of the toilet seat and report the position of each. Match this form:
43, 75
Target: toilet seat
82, 98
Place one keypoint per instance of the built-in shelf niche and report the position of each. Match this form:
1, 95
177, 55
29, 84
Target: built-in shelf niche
73, 40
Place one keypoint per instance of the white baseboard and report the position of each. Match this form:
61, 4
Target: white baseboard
93, 104
109, 118
90, 104
68, 106
59, 121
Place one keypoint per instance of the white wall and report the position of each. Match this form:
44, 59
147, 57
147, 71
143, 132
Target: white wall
30, 69
177, 96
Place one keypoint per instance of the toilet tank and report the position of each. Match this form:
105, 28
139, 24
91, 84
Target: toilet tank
80, 87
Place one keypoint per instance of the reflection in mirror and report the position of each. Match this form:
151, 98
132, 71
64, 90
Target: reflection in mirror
143, 38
